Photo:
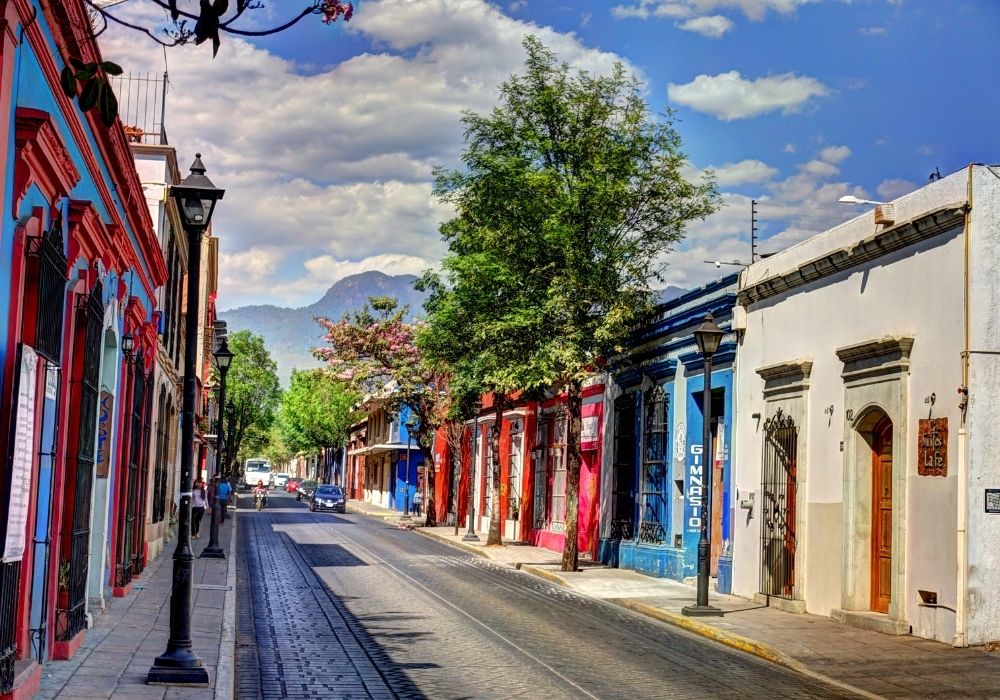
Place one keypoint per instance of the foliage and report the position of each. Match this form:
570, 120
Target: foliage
252, 386
315, 411
374, 351
96, 91
570, 196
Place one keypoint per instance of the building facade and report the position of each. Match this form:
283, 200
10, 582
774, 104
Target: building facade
77, 347
869, 487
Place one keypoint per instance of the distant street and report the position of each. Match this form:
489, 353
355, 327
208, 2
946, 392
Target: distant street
334, 606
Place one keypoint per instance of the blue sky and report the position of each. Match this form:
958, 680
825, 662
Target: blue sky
325, 136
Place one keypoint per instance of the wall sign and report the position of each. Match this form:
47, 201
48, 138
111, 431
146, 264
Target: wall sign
24, 453
932, 447
993, 501
104, 420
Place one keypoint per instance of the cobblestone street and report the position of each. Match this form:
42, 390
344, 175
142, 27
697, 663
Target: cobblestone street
335, 606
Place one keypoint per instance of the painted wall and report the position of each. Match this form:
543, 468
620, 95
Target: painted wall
914, 292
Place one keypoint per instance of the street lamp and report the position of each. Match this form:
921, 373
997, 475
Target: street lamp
851, 199
411, 423
196, 197
470, 489
708, 336
223, 358
230, 415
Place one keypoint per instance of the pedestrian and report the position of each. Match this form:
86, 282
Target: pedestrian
418, 502
199, 501
224, 490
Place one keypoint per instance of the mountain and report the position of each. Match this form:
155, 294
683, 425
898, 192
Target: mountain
290, 333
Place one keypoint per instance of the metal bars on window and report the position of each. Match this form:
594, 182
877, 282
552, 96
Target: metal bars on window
10, 574
777, 532
623, 470
653, 507
48, 249
71, 611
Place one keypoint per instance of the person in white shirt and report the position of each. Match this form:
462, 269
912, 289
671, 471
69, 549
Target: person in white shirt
199, 501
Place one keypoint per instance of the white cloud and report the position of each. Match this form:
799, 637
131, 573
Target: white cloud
789, 148
755, 10
336, 160
744, 172
873, 31
835, 154
893, 188
729, 96
713, 26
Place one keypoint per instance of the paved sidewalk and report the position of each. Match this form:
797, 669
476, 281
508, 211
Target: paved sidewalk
387, 514
870, 663
133, 631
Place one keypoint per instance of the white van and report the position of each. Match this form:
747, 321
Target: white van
257, 469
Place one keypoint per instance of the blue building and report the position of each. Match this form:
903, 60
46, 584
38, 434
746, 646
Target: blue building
654, 470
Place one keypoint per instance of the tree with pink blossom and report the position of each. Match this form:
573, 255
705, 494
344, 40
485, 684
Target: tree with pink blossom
374, 351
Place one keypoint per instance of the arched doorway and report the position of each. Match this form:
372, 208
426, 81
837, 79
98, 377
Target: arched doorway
881, 569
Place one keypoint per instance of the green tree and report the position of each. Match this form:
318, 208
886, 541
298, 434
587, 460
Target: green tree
315, 411
252, 385
375, 352
571, 195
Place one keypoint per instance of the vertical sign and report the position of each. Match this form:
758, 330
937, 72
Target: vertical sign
105, 412
695, 486
24, 452
932, 447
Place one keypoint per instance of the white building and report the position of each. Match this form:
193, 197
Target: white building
867, 442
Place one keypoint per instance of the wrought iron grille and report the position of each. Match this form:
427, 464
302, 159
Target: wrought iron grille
10, 575
540, 511
777, 534
71, 609
138, 556
129, 494
162, 457
623, 471
654, 468
51, 290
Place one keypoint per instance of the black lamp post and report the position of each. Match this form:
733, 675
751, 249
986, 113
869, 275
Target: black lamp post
470, 495
223, 358
196, 197
128, 344
708, 336
230, 414
411, 423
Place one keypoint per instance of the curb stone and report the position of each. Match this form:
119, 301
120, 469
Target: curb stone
225, 672
478, 551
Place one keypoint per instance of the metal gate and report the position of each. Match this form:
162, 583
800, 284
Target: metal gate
142, 487
623, 470
71, 609
654, 468
777, 532
130, 481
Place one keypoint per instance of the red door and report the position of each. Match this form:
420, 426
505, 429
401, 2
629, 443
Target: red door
882, 516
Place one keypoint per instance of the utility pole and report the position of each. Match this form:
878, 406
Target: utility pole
753, 231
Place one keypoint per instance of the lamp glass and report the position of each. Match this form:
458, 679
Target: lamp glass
128, 343
223, 356
708, 336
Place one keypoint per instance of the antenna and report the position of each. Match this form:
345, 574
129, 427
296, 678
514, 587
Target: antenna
753, 231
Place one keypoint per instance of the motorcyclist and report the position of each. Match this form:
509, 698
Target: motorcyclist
260, 491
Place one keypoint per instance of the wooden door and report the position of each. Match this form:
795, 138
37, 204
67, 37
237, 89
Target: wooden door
882, 516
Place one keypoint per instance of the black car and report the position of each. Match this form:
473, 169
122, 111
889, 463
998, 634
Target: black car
305, 490
327, 497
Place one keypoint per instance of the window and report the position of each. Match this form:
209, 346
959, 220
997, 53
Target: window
488, 470
557, 461
541, 473
514, 471
653, 503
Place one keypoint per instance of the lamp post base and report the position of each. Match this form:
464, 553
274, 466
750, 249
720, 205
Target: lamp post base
212, 553
178, 667
701, 611
470, 537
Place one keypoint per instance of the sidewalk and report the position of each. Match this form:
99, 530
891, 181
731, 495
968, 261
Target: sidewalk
387, 514
869, 663
133, 631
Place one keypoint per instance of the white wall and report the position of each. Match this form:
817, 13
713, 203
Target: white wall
915, 292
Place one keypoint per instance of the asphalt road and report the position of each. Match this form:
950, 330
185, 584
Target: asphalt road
335, 606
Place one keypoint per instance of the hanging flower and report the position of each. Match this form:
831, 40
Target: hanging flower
333, 9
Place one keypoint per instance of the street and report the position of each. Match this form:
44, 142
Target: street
347, 606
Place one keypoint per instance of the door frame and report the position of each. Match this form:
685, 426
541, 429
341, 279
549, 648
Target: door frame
881, 432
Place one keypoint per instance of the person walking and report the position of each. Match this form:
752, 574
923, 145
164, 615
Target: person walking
199, 501
224, 489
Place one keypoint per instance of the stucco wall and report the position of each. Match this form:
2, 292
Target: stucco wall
914, 292
984, 408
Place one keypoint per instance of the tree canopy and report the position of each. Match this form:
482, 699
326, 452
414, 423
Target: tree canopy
315, 411
252, 385
570, 196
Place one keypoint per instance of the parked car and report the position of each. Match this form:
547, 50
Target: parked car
327, 497
280, 479
292, 485
305, 490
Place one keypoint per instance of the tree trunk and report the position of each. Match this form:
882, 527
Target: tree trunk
495, 537
574, 401
429, 506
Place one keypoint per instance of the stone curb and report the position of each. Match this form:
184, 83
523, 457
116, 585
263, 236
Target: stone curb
730, 639
225, 672
471, 548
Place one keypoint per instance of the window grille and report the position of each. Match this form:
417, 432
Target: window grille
777, 532
653, 504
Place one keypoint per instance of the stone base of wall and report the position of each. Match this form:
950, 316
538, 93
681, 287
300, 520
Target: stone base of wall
660, 561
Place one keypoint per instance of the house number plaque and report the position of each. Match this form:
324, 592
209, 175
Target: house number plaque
932, 447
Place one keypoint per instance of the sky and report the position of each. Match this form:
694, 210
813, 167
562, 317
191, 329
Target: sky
326, 137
